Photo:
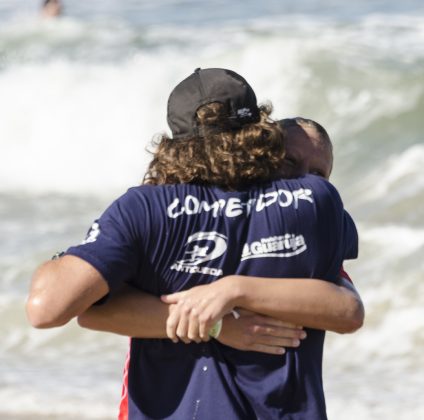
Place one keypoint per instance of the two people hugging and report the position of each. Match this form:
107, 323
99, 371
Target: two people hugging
225, 266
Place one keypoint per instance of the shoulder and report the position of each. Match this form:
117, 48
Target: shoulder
154, 200
142, 194
141, 191
318, 184
314, 186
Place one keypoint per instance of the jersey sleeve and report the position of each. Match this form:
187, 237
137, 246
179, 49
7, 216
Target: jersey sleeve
343, 224
112, 245
336, 229
350, 234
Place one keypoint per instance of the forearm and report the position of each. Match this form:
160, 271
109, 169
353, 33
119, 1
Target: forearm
309, 302
131, 313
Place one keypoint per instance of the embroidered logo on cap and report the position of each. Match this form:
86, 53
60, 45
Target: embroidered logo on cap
244, 112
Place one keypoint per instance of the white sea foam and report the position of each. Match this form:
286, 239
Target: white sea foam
35, 400
84, 115
392, 190
377, 368
79, 127
401, 175
392, 240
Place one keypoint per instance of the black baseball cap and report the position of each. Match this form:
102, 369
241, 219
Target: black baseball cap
205, 86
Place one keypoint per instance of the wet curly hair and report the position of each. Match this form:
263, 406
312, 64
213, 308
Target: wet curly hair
220, 155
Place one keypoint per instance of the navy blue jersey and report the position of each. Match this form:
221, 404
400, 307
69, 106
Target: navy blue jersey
163, 239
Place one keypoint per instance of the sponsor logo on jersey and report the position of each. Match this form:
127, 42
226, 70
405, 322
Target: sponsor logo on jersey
283, 246
234, 207
202, 247
92, 234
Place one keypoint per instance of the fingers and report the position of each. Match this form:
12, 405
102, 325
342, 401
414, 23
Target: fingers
180, 325
193, 313
184, 323
271, 338
272, 341
174, 298
277, 331
193, 327
172, 324
182, 329
263, 319
253, 333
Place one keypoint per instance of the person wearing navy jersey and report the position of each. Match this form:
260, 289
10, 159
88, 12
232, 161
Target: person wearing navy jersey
308, 149
214, 211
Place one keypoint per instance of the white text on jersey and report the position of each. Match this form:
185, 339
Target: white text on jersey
234, 207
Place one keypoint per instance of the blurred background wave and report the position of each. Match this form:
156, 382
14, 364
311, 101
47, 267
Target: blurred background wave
81, 97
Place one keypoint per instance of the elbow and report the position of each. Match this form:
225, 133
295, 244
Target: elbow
354, 317
353, 325
41, 315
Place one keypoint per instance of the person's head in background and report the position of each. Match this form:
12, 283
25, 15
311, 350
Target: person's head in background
51, 8
308, 148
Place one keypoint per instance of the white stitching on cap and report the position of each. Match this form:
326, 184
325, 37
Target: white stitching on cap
244, 112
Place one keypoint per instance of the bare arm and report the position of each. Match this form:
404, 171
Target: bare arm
67, 287
62, 289
131, 313
137, 314
308, 302
256, 332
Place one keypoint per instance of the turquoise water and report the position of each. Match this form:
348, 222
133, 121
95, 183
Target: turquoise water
81, 97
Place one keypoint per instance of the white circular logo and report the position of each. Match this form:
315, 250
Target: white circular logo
202, 247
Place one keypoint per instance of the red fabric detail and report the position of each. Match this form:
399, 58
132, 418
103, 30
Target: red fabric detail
345, 275
123, 405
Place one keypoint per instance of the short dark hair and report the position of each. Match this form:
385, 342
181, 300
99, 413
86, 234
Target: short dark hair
287, 123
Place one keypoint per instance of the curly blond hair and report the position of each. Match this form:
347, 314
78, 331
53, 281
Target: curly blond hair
222, 156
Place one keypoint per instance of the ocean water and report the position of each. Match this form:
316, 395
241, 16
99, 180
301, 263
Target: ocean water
81, 97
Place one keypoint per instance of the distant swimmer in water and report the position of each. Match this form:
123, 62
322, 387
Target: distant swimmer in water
51, 8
